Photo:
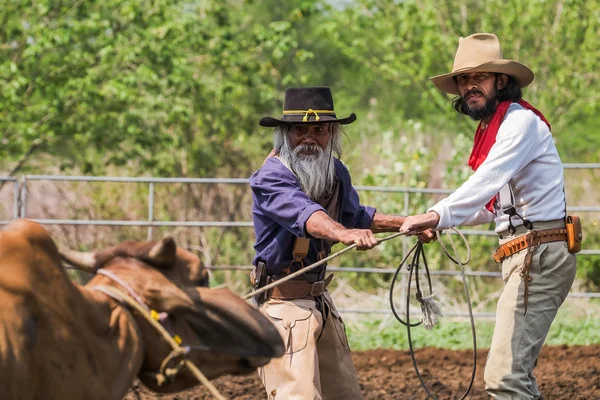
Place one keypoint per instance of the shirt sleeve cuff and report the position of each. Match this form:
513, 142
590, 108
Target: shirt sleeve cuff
365, 220
305, 215
443, 211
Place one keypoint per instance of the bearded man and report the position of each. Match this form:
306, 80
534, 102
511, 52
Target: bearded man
518, 183
303, 202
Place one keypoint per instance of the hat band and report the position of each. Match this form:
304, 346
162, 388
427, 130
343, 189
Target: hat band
307, 113
300, 112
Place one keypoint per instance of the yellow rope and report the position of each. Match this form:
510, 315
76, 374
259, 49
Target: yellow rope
300, 112
310, 110
123, 297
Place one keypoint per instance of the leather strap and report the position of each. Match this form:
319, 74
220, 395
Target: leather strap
528, 240
300, 249
526, 270
298, 289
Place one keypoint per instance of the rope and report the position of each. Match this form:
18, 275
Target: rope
124, 285
419, 253
394, 279
313, 266
125, 298
414, 267
467, 295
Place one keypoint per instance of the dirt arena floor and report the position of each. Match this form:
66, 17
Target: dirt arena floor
563, 372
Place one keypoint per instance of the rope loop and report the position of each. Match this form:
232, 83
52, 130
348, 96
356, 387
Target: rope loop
455, 257
171, 365
428, 305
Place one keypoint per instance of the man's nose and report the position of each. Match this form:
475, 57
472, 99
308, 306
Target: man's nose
310, 134
470, 83
309, 138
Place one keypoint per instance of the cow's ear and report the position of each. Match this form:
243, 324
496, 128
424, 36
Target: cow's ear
163, 253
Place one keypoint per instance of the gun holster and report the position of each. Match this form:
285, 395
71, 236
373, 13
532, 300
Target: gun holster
258, 279
574, 234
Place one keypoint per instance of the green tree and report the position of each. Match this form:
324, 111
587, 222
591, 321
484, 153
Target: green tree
167, 87
401, 44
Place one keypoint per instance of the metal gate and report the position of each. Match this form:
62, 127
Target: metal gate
19, 209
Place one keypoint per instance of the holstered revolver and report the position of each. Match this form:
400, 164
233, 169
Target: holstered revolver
258, 279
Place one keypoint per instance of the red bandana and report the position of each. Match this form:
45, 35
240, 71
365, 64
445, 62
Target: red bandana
485, 138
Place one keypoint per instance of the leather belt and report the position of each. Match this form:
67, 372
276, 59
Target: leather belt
524, 241
298, 289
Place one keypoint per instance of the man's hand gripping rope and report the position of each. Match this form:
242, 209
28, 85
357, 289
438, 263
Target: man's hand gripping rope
313, 266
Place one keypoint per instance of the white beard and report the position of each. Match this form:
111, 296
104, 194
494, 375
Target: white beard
315, 171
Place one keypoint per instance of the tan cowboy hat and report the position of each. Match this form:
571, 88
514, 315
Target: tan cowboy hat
481, 52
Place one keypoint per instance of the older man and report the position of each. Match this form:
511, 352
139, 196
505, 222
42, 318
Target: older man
518, 183
304, 202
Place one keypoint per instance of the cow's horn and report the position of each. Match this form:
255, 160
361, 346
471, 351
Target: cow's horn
163, 252
85, 261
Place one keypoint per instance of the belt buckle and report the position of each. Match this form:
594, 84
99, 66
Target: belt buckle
317, 288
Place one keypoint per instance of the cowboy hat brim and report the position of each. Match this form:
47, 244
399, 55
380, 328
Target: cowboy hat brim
520, 72
294, 119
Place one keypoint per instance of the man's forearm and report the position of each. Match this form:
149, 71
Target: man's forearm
321, 226
386, 222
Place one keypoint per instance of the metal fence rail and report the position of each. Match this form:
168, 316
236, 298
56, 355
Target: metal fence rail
390, 271
16, 195
151, 222
20, 210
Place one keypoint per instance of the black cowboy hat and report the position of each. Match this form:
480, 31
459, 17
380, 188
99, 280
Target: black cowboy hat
307, 104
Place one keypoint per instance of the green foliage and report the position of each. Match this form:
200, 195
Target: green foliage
399, 45
176, 88
166, 86
455, 335
588, 267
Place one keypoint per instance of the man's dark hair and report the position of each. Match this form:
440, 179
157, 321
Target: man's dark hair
512, 91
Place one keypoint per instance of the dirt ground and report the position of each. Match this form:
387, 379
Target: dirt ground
563, 372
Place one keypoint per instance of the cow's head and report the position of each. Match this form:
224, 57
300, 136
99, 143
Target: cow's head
226, 335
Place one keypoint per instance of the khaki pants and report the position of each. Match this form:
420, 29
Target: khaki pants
518, 338
312, 367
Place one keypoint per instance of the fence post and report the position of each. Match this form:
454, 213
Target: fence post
404, 278
406, 210
23, 199
150, 208
16, 199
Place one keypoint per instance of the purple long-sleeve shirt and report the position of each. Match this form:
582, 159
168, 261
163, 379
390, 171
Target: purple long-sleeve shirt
280, 210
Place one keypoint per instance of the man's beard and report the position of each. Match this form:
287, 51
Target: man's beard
315, 171
481, 112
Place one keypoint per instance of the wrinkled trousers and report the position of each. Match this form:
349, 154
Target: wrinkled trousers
518, 337
317, 363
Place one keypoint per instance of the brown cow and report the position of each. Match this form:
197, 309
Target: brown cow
60, 340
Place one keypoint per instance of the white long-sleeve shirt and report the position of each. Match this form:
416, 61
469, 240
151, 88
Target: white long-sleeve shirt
524, 155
